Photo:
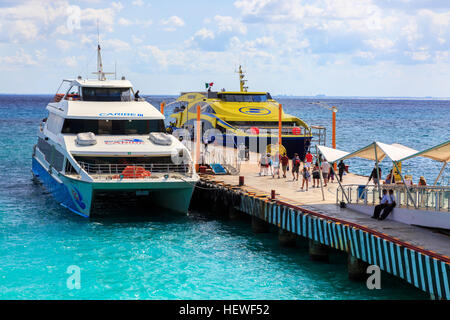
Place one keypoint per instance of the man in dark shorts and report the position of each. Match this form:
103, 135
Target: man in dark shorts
295, 166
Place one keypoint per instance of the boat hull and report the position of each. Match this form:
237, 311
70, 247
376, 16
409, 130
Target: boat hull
80, 196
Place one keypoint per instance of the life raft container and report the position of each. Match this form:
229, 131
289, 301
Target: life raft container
86, 139
160, 138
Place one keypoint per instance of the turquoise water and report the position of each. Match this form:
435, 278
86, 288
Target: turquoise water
158, 255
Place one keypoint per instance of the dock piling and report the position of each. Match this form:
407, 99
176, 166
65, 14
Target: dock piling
356, 268
286, 238
318, 251
259, 226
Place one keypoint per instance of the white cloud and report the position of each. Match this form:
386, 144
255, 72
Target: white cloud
70, 62
125, 22
172, 23
138, 3
21, 59
204, 34
229, 24
115, 45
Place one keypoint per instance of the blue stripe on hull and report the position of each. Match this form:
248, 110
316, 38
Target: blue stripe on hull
59, 191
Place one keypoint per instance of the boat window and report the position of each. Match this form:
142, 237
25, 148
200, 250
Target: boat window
204, 107
106, 94
228, 97
54, 123
113, 127
73, 93
52, 156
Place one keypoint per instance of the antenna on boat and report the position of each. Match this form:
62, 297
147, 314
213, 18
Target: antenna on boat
242, 80
100, 73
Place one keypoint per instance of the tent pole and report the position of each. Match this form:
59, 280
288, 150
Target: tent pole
404, 184
440, 173
320, 173
377, 168
337, 178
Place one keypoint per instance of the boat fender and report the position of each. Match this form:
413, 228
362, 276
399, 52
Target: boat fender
86, 139
160, 138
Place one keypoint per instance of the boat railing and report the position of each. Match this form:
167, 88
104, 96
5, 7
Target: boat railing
432, 198
113, 171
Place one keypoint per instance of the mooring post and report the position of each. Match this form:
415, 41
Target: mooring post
286, 238
241, 181
272, 195
318, 251
356, 268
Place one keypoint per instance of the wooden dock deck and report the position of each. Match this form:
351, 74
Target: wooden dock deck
417, 255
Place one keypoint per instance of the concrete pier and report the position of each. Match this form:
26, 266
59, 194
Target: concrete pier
357, 269
318, 251
417, 255
286, 238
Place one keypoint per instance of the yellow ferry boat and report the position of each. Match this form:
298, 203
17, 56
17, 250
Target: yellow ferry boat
242, 117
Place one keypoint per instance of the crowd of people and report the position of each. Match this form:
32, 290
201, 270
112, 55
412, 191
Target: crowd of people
309, 170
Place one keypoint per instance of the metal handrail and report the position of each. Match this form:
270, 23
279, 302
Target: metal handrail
133, 171
435, 198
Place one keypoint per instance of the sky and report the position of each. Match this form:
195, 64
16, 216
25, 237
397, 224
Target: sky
394, 48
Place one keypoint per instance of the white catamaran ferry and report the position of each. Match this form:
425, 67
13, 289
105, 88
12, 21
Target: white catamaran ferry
100, 139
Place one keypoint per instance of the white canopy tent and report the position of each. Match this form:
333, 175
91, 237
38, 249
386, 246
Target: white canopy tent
440, 153
377, 151
331, 155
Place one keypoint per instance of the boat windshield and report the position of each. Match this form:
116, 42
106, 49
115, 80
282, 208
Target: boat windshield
106, 94
230, 97
113, 127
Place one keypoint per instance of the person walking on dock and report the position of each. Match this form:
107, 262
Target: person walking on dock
295, 166
284, 164
264, 164
383, 204
391, 205
341, 167
373, 175
325, 170
276, 165
308, 160
305, 177
316, 175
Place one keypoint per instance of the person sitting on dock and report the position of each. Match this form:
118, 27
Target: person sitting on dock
295, 166
422, 181
383, 204
391, 205
373, 175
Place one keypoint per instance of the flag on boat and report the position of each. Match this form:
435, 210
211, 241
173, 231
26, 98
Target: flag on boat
208, 85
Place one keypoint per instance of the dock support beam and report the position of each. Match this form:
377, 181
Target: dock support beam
286, 238
259, 226
318, 251
356, 268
